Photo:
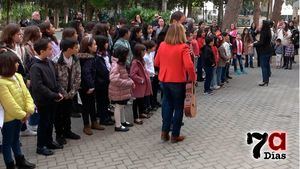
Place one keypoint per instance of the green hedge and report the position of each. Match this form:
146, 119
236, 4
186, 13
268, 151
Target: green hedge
147, 14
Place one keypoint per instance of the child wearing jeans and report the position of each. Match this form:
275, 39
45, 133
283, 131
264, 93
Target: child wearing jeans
237, 48
289, 54
120, 88
17, 105
278, 51
140, 76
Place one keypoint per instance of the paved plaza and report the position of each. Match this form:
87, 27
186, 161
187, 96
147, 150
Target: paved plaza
216, 138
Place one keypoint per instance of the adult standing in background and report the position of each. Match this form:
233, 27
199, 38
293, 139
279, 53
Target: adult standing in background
176, 17
284, 34
160, 27
35, 19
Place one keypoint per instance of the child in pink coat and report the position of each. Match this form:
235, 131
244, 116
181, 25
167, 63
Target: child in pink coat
120, 88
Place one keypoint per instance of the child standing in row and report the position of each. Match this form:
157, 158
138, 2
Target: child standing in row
69, 78
278, 51
237, 49
18, 106
103, 66
46, 93
88, 49
120, 87
289, 54
149, 64
48, 32
140, 76
208, 63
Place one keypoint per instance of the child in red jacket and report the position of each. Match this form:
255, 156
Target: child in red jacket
201, 42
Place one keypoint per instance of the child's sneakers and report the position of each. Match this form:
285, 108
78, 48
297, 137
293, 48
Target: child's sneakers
28, 132
244, 72
237, 72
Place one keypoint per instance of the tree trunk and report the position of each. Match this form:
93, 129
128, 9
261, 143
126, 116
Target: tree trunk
56, 18
232, 11
89, 12
256, 12
190, 8
8, 11
164, 5
47, 12
220, 12
66, 14
184, 6
271, 8
276, 15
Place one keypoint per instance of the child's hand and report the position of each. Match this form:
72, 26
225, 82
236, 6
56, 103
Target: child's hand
28, 83
90, 91
25, 118
61, 97
133, 86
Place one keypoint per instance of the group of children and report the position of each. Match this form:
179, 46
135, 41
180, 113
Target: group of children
284, 54
87, 72
215, 51
95, 70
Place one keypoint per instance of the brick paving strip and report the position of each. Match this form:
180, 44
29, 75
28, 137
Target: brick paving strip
216, 138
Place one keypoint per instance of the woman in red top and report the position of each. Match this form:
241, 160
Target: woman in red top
176, 66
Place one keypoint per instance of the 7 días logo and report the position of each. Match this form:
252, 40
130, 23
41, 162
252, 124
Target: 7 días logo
273, 140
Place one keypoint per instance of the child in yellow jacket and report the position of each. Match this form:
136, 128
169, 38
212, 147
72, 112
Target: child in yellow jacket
18, 106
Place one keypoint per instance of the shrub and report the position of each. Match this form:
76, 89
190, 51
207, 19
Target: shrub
147, 14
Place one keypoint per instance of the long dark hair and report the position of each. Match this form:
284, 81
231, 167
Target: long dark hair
142, 21
86, 42
68, 33
121, 53
100, 29
137, 52
31, 33
7, 34
246, 36
199, 33
121, 34
253, 26
265, 29
101, 41
8, 62
286, 28
145, 31
76, 25
134, 31
44, 27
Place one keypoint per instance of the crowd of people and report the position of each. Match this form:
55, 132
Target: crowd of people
97, 66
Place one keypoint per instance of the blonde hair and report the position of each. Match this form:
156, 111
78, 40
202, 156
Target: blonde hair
175, 34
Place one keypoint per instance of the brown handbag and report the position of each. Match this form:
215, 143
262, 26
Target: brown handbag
190, 104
